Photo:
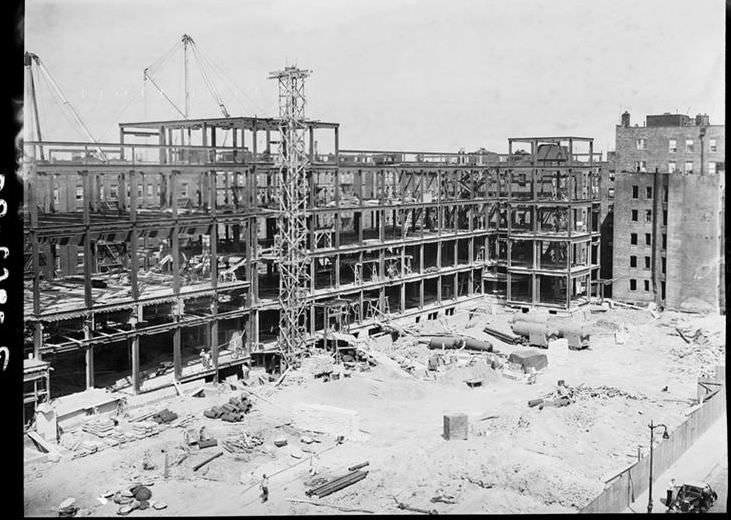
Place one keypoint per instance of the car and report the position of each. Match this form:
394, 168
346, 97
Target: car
693, 496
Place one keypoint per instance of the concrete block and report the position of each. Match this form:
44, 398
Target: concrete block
528, 359
456, 426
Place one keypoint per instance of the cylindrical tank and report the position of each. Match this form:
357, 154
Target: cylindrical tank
444, 342
530, 317
524, 328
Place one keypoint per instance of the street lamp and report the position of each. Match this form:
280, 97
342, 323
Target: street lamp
652, 438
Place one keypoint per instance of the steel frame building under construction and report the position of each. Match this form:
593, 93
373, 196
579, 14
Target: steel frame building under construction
143, 251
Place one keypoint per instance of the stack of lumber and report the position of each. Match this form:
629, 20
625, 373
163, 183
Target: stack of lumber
144, 429
99, 427
337, 484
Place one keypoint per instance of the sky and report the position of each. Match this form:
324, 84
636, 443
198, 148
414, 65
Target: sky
431, 75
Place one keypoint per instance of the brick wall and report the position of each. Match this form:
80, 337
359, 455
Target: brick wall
656, 153
624, 227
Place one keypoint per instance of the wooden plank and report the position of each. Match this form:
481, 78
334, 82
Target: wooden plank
42, 443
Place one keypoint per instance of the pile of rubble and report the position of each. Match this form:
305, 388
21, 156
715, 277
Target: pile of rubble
603, 392
242, 443
701, 346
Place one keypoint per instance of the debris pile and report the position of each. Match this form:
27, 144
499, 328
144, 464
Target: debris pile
242, 443
603, 392
702, 347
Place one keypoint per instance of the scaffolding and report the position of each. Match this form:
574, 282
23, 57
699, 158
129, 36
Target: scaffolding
291, 192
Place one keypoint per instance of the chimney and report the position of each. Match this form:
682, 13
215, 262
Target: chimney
625, 119
702, 120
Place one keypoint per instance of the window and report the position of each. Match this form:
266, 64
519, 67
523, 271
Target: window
610, 193
157, 189
662, 287
113, 192
648, 215
664, 217
139, 191
647, 262
633, 239
647, 285
641, 144
641, 166
688, 166
149, 190
664, 241
80, 259
712, 145
711, 167
184, 189
632, 284
689, 145
635, 192
648, 192
672, 167
633, 261
663, 265
672, 146
665, 194
56, 198
79, 193
634, 215
648, 239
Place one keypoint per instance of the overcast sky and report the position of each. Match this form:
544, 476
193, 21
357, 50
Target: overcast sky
432, 75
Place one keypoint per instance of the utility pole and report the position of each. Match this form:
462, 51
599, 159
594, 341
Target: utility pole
292, 192
187, 40
652, 440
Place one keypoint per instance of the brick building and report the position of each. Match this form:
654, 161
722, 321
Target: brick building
668, 218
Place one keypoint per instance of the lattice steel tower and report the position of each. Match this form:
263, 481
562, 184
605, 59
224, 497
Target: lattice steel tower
292, 191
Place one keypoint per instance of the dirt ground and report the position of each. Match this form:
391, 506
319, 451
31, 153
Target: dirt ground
517, 459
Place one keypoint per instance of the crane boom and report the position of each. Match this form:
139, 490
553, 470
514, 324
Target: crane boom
66, 102
162, 92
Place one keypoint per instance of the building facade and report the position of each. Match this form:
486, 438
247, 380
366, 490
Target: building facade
668, 218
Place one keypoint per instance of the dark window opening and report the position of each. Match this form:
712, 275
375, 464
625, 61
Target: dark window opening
635, 192
634, 215
633, 261
647, 285
632, 285
633, 239
647, 262
648, 239
648, 192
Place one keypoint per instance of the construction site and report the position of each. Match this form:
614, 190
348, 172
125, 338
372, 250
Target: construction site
239, 307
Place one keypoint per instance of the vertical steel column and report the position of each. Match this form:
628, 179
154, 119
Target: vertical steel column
178, 310
88, 301
212, 195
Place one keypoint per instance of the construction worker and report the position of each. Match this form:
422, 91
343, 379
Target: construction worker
264, 488
313, 466
670, 492
205, 358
